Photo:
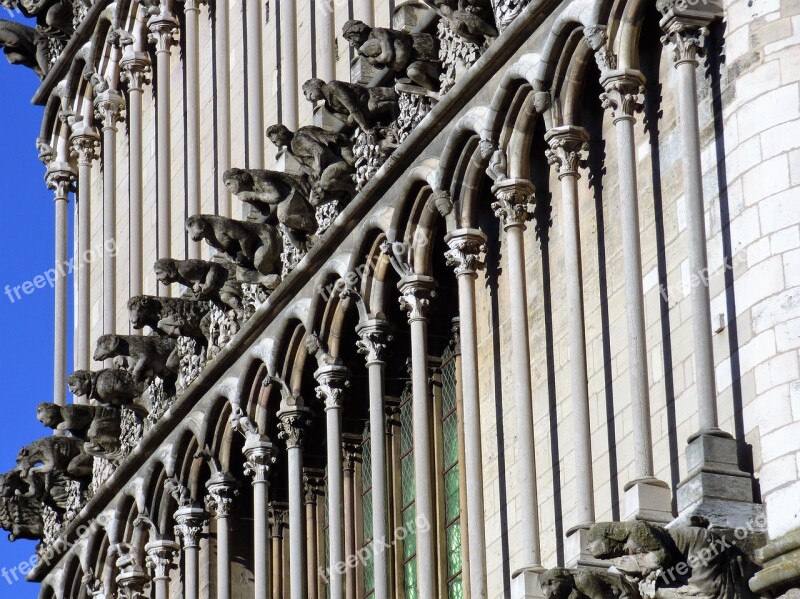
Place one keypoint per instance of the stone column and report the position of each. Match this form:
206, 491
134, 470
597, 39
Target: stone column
255, 76
59, 178
190, 522
219, 501
132, 582
191, 62
312, 480
277, 523
135, 69
84, 145
466, 246
416, 292
513, 198
326, 36
223, 97
163, 28
160, 558
349, 455
258, 453
332, 381
566, 144
373, 338
646, 497
289, 83
294, 420
109, 106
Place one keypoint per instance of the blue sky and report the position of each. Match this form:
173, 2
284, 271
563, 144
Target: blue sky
26, 250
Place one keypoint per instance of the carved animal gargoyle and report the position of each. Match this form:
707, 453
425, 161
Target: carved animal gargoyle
151, 355
256, 246
325, 156
100, 427
354, 104
208, 281
110, 386
21, 516
171, 316
25, 46
53, 17
53, 456
472, 20
72, 418
276, 195
672, 563
563, 583
413, 57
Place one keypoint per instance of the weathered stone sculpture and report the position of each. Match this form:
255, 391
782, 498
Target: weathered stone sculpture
353, 104
411, 56
288, 193
152, 356
170, 316
52, 456
104, 434
208, 281
25, 46
21, 516
53, 17
72, 418
325, 156
111, 386
250, 245
563, 583
472, 20
672, 563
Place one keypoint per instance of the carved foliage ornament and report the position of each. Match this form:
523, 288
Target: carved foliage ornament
415, 299
219, 500
623, 95
565, 152
687, 42
465, 254
373, 343
512, 205
292, 427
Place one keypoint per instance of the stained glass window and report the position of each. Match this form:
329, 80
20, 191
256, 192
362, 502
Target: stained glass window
452, 507
408, 509
366, 494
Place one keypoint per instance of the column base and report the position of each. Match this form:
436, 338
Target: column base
575, 552
525, 583
647, 499
715, 488
780, 561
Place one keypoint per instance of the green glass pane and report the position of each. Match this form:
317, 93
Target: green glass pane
454, 549
407, 479
369, 572
406, 428
452, 504
455, 589
449, 387
450, 434
411, 579
367, 516
410, 532
366, 468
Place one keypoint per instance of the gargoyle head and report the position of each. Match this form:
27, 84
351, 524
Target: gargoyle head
49, 414
557, 583
107, 347
356, 32
237, 180
166, 270
279, 135
197, 226
143, 310
80, 382
313, 89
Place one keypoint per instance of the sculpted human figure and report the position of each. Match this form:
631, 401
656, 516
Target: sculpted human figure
72, 418
251, 245
170, 316
152, 356
208, 281
353, 104
25, 46
288, 193
411, 55
52, 16
103, 436
112, 386
325, 156
497, 169
20, 516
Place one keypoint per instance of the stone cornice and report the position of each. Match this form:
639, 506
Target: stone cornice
393, 170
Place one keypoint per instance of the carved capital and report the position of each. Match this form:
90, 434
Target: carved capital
258, 455
135, 69
84, 144
466, 247
292, 426
514, 197
132, 584
59, 178
163, 29
109, 107
192, 5
333, 381
416, 293
686, 39
313, 485
160, 557
623, 95
351, 453
566, 144
190, 523
374, 337
221, 493
278, 513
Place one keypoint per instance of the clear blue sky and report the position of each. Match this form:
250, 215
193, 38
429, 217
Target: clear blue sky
26, 250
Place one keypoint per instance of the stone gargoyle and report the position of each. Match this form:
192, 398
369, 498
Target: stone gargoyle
354, 104
72, 418
152, 356
25, 46
50, 457
671, 563
472, 20
287, 193
21, 516
100, 427
171, 316
563, 583
255, 246
109, 386
411, 56
53, 17
325, 156
208, 281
